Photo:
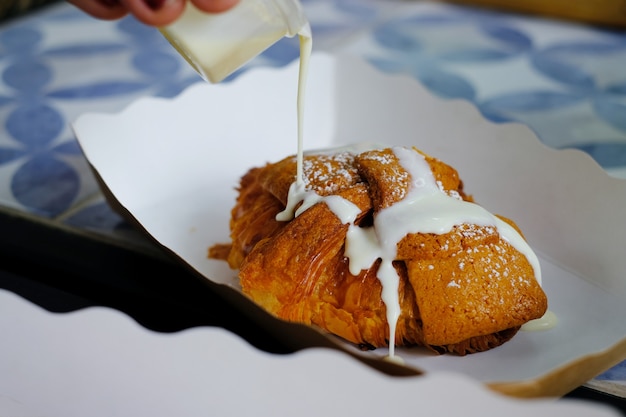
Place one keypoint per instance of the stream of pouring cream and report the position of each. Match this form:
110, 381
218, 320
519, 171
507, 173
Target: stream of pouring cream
306, 46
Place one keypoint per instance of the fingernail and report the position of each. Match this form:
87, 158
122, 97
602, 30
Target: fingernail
155, 4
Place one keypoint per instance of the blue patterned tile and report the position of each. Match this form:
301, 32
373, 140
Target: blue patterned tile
97, 216
617, 373
607, 154
586, 66
572, 92
530, 101
49, 175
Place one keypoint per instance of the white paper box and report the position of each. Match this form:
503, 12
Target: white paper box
173, 165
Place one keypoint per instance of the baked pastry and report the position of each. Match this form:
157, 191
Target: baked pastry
381, 246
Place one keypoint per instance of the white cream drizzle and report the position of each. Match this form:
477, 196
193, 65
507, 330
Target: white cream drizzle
306, 47
425, 209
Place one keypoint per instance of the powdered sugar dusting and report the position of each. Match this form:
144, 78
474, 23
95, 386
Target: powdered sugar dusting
327, 174
394, 173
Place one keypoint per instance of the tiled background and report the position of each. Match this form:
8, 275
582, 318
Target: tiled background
566, 81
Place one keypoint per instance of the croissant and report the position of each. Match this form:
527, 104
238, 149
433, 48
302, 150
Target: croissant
416, 263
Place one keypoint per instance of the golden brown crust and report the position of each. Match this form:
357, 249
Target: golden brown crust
462, 292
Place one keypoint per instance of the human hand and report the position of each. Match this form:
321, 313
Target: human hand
151, 12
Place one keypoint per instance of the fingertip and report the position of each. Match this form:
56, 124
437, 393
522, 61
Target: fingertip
155, 12
215, 6
101, 9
